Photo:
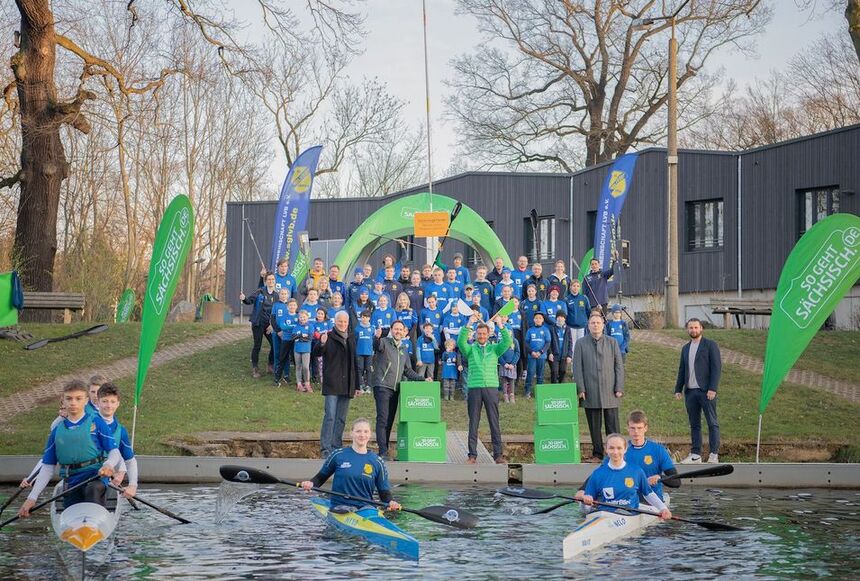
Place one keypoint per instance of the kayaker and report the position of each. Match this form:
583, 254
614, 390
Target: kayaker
651, 457
108, 403
357, 471
83, 445
620, 483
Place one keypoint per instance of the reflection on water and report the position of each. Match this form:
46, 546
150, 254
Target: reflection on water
275, 534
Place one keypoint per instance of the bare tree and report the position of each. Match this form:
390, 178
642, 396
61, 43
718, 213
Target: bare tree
567, 83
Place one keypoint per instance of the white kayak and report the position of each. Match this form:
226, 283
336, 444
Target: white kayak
603, 527
85, 524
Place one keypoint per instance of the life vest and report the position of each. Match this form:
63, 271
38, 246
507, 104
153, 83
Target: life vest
75, 448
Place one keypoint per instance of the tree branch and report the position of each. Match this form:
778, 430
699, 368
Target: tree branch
11, 180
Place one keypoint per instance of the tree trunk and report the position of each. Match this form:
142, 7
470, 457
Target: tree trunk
43, 159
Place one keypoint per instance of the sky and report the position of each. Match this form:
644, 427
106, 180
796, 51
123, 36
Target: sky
395, 55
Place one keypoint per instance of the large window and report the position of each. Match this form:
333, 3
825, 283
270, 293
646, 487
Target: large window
815, 205
472, 256
540, 243
704, 224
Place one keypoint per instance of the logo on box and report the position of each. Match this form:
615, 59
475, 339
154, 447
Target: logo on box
420, 402
427, 443
557, 404
554, 445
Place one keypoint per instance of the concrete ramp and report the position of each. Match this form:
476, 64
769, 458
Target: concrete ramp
458, 449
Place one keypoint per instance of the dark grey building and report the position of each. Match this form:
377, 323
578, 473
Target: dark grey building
740, 214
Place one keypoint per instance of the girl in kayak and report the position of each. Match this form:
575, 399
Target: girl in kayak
620, 483
357, 471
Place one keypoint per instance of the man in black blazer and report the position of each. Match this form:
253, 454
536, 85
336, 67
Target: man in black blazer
698, 379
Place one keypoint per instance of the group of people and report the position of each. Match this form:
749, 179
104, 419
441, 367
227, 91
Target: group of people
438, 323
88, 444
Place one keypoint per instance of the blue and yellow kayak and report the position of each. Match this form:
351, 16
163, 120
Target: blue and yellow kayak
370, 524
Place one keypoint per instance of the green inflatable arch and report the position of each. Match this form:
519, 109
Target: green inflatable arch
396, 219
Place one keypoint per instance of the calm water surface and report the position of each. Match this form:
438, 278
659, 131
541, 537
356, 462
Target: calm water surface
275, 534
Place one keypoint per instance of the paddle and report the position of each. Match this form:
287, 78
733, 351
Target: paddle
10, 500
52, 499
721, 470
534, 494
163, 511
91, 331
446, 515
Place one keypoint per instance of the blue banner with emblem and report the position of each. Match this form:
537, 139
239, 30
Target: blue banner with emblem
612, 198
292, 214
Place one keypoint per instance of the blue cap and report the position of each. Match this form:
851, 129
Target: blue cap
476, 294
506, 269
616, 308
358, 270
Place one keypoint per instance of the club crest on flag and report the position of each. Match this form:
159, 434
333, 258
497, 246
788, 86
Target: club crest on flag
301, 179
617, 184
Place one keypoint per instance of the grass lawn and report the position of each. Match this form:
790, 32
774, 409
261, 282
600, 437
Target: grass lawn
22, 369
213, 392
835, 354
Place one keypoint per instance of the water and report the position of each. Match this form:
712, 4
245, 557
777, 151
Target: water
275, 534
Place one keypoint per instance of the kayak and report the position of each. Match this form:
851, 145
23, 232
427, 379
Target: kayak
85, 524
603, 527
370, 524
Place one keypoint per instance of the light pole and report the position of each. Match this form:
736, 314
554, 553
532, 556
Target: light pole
672, 246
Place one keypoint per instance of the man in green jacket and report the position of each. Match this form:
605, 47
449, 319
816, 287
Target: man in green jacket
483, 384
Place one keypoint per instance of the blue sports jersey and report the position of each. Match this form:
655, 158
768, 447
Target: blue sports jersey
453, 323
519, 277
515, 291
577, 311
434, 317
286, 281
619, 331
528, 308
427, 347
652, 458
621, 486
449, 365
287, 324
456, 290
91, 409
364, 339
551, 308
102, 440
302, 335
323, 326
382, 318
441, 291
120, 435
410, 347
355, 474
311, 309
407, 317
486, 291
538, 339
336, 286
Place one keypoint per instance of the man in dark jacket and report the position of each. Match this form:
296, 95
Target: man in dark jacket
595, 284
698, 379
391, 362
340, 380
262, 299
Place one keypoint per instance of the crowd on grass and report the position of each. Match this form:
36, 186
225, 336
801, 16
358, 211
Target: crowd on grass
396, 322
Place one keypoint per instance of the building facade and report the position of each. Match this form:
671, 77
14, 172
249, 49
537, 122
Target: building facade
740, 215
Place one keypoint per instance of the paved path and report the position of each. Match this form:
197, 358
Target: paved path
844, 389
24, 401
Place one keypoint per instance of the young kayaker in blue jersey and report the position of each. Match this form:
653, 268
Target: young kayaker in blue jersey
83, 445
108, 404
357, 471
96, 381
651, 457
620, 482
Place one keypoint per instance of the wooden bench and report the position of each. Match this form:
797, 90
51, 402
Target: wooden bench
68, 302
738, 307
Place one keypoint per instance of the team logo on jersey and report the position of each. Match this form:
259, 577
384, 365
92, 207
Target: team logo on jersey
346, 465
368, 469
648, 459
609, 493
628, 482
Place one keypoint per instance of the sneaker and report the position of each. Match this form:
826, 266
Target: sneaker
713, 459
501, 459
528, 396
692, 459
276, 383
471, 460
255, 373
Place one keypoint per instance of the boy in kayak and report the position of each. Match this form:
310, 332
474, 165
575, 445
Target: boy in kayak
357, 471
651, 457
96, 381
108, 404
620, 483
83, 445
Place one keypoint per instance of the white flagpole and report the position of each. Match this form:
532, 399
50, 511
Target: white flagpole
758, 440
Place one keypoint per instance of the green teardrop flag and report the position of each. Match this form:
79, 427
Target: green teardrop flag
125, 306
172, 243
585, 265
823, 265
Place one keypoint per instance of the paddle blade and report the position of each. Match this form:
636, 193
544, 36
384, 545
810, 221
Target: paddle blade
715, 526
449, 515
530, 493
246, 475
553, 507
721, 470
97, 329
37, 345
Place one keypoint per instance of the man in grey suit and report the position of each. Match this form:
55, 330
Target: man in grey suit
598, 370
698, 380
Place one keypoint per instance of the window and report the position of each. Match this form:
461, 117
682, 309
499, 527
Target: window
704, 224
472, 256
540, 243
814, 206
591, 225
407, 254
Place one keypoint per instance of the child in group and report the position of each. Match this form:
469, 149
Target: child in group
455, 288
561, 350
405, 314
364, 333
618, 330
383, 316
362, 304
506, 281
279, 311
285, 333
324, 292
530, 305
553, 305
478, 306
453, 322
355, 287
559, 278
450, 369
311, 304
426, 349
437, 288
322, 324
578, 309
108, 403
508, 371
283, 279
538, 340
377, 292
336, 305
432, 314
301, 334
79, 444
96, 381
502, 300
